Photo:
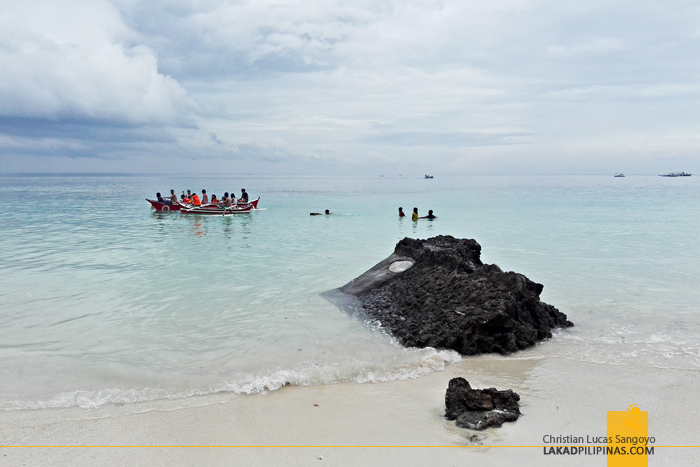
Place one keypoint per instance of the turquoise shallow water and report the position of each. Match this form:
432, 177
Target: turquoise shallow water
103, 300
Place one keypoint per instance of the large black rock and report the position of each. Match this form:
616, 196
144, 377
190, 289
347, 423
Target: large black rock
437, 293
478, 409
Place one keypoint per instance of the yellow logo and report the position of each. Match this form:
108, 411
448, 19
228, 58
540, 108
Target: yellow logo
628, 437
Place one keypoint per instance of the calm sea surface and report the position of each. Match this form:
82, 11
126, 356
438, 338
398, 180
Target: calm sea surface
104, 300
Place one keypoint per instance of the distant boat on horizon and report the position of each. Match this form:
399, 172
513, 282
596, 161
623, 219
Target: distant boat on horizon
619, 175
428, 176
676, 174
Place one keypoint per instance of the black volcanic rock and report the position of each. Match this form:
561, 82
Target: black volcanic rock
478, 409
437, 293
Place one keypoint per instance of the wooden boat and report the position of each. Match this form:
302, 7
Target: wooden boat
216, 209
164, 206
182, 207
253, 203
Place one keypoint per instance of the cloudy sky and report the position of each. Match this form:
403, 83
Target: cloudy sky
350, 87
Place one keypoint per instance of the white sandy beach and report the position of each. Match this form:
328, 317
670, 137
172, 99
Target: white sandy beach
397, 423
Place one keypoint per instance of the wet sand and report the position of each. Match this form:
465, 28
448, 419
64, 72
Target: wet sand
398, 423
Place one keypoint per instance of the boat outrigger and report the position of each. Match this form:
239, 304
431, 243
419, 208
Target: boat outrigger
216, 209
205, 208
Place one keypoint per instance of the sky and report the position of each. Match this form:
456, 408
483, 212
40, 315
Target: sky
350, 87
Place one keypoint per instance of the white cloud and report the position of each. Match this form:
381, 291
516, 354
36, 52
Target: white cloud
502, 85
78, 60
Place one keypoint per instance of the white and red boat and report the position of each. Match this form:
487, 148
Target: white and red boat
205, 208
216, 209
165, 206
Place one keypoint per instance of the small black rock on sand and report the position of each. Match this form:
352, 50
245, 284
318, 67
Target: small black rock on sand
478, 409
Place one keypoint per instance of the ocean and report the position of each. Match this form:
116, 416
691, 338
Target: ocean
104, 301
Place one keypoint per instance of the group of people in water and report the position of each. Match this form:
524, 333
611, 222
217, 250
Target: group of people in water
194, 199
414, 215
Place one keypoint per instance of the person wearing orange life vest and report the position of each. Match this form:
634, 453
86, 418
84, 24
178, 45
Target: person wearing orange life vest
195, 199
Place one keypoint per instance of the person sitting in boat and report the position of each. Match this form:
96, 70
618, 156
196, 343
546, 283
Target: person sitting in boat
234, 200
195, 199
214, 200
326, 212
244, 196
226, 201
162, 200
184, 199
430, 216
173, 196
205, 198
401, 213
414, 216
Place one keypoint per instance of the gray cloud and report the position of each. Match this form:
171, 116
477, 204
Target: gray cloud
77, 59
599, 85
443, 138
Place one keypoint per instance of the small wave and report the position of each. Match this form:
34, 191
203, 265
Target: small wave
630, 346
421, 362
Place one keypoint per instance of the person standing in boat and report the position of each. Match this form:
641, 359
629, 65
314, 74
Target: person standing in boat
414, 216
173, 196
205, 198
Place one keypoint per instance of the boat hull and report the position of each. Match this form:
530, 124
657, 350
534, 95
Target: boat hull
157, 205
217, 210
205, 209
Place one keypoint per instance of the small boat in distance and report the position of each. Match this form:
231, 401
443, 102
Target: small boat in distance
619, 175
676, 174
428, 176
